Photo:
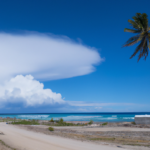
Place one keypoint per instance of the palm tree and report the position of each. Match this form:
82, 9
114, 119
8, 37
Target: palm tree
141, 28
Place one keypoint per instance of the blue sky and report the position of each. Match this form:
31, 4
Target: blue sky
116, 84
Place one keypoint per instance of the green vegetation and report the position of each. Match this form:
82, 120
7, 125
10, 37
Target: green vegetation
25, 122
61, 122
133, 123
51, 120
91, 122
51, 129
141, 28
104, 124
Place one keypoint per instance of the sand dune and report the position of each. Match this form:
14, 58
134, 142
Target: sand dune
28, 140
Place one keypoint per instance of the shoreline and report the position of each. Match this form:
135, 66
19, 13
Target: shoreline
71, 121
96, 117
5, 119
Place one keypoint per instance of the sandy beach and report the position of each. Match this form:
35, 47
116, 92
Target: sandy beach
27, 140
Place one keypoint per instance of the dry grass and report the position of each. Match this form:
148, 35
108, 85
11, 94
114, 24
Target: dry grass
123, 141
115, 140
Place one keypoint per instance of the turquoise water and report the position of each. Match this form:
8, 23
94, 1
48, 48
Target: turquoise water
97, 117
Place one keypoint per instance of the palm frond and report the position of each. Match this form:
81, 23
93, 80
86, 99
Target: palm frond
137, 22
134, 24
132, 40
148, 40
149, 44
131, 30
141, 20
139, 47
140, 25
145, 21
144, 51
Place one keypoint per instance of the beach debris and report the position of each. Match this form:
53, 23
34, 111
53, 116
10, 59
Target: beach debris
120, 146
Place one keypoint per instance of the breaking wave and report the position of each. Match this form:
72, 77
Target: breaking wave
80, 118
34, 116
76, 117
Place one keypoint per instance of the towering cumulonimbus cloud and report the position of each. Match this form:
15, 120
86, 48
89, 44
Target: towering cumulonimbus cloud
27, 91
27, 58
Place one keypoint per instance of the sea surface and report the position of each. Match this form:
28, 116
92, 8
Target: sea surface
97, 117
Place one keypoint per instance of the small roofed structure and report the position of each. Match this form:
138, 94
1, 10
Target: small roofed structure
142, 119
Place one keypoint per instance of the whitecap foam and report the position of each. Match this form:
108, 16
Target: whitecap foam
33, 116
114, 116
79, 117
107, 118
128, 117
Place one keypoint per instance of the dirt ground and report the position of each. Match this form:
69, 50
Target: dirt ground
35, 138
3, 146
125, 136
137, 138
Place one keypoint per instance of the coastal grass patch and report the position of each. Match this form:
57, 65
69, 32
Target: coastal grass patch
61, 122
51, 129
90, 122
51, 120
105, 123
26, 122
133, 123
123, 141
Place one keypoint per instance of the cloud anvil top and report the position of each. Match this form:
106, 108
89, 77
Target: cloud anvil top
45, 57
41, 57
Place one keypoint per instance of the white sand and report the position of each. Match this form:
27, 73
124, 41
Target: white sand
28, 140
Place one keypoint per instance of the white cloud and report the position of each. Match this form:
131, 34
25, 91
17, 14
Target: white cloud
44, 57
94, 104
27, 91
98, 107
25, 94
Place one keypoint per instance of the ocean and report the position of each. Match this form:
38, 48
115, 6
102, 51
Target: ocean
97, 117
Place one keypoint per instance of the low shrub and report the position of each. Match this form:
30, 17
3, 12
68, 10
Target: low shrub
133, 123
51, 120
51, 129
61, 120
104, 124
91, 122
